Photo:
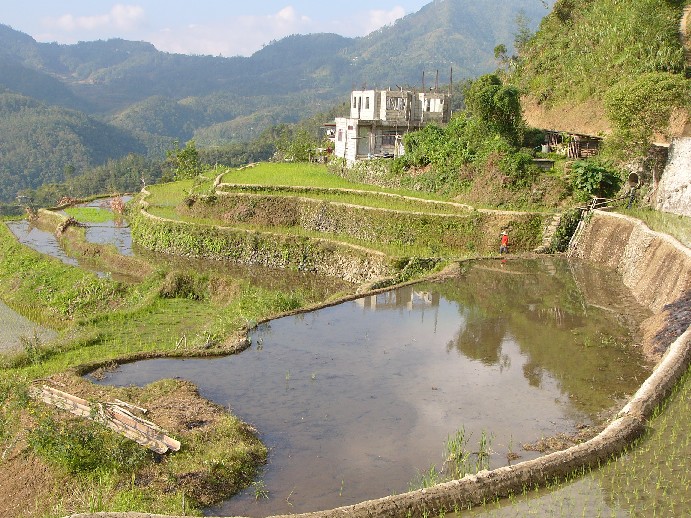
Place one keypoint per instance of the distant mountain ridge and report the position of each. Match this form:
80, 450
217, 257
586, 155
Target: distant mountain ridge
155, 97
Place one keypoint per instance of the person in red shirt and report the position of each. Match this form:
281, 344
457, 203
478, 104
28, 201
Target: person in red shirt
504, 246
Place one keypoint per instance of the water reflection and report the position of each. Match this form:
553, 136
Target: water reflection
114, 232
356, 400
39, 240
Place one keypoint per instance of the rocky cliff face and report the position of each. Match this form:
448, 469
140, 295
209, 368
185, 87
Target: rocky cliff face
674, 190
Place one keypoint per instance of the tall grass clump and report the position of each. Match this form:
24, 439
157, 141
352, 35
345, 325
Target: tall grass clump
624, 39
459, 461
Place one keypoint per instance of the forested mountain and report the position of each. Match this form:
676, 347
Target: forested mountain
42, 144
154, 98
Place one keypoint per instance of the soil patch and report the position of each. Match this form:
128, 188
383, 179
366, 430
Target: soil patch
662, 329
30, 487
588, 118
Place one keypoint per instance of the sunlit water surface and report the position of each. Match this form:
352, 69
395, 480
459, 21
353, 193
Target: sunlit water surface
357, 400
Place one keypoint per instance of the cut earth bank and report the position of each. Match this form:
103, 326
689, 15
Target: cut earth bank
657, 269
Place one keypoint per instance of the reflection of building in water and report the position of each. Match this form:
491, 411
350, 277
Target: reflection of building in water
406, 297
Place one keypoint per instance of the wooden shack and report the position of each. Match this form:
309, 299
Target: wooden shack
573, 145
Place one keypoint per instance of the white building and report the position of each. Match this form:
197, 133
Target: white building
379, 119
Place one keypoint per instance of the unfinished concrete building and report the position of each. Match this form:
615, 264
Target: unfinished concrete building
379, 119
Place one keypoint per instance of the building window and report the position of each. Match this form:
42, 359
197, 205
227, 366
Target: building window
366, 103
340, 135
388, 140
354, 102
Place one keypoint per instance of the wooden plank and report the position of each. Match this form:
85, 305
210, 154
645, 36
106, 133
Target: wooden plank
113, 416
133, 423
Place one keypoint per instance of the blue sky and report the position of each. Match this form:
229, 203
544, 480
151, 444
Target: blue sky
213, 27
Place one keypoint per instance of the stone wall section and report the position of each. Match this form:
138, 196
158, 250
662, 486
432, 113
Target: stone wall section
674, 191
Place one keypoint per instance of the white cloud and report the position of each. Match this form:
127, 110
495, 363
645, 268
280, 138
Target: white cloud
120, 18
230, 36
241, 35
378, 18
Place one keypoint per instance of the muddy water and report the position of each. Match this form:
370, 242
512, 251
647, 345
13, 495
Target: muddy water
357, 400
15, 327
114, 232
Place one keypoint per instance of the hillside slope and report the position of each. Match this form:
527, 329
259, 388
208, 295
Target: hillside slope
42, 144
584, 49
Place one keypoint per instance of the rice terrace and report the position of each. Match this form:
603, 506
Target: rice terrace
467, 299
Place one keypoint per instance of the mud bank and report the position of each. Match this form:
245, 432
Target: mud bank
658, 271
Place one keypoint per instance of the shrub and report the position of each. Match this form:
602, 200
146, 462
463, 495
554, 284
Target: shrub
183, 285
567, 226
641, 105
594, 179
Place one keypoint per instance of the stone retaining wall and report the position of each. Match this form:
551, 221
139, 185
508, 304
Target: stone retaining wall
654, 266
642, 257
349, 262
465, 233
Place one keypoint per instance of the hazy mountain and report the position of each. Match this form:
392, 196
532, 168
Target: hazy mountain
158, 97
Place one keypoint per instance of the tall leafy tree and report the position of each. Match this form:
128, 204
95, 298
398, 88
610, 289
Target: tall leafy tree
185, 162
497, 105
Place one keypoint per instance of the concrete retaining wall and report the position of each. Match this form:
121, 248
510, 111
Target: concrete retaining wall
654, 266
674, 191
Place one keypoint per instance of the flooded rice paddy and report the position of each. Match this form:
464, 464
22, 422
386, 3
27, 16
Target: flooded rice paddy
357, 400
110, 229
113, 231
39, 240
16, 328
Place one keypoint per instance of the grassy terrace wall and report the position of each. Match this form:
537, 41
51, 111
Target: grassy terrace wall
457, 232
352, 263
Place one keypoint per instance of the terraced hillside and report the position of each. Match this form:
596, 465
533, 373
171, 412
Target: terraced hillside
323, 224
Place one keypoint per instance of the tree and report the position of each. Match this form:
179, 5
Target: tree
497, 105
185, 161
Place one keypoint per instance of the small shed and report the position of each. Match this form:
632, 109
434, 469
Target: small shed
573, 145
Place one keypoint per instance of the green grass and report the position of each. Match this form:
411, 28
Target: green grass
307, 175
624, 39
90, 214
389, 248
165, 198
172, 194
373, 199
676, 226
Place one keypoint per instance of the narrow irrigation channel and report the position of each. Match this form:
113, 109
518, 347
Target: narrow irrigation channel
358, 400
